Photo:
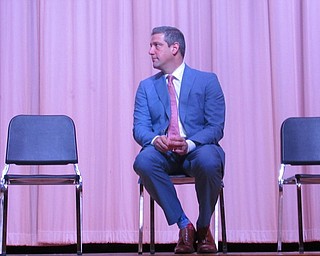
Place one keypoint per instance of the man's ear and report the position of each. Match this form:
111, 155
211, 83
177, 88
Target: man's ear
175, 48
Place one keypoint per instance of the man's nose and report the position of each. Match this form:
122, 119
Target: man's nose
151, 50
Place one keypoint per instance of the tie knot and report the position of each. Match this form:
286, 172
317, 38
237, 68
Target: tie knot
170, 78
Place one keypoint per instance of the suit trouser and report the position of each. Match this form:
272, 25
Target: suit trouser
204, 163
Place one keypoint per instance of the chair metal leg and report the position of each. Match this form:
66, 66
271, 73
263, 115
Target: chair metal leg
79, 218
216, 223
152, 240
301, 248
280, 214
1, 218
4, 205
140, 249
223, 222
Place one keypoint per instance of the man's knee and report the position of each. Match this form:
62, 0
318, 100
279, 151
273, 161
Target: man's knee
145, 161
141, 164
209, 164
211, 168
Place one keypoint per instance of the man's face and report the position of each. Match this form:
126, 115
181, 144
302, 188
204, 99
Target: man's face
161, 54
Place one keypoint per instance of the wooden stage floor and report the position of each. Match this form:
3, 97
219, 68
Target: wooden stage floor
171, 254
162, 250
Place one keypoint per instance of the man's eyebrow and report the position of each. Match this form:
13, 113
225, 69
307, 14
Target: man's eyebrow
156, 42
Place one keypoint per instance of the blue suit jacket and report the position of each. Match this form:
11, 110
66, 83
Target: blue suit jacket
201, 108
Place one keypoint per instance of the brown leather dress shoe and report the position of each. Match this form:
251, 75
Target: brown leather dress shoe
186, 240
206, 242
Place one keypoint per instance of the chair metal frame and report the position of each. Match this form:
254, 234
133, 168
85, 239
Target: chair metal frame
180, 180
39, 127
300, 146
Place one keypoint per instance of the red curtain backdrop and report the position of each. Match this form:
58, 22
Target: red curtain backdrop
85, 59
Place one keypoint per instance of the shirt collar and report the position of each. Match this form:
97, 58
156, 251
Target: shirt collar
178, 73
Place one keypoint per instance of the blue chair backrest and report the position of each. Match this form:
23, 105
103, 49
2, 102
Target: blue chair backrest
300, 141
41, 140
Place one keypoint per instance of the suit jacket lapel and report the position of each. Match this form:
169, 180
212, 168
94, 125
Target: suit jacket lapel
186, 85
162, 90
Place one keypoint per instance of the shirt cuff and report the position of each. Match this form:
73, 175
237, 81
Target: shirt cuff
191, 145
154, 139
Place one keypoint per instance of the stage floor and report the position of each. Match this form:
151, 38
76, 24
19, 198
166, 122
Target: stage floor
161, 250
171, 254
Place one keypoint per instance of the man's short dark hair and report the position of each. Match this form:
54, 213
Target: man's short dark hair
171, 35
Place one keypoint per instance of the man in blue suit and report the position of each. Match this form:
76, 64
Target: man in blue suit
195, 151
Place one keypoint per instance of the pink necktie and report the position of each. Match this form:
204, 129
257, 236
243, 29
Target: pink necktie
173, 129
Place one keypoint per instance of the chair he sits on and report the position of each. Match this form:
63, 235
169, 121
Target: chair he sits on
36, 140
300, 146
179, 180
